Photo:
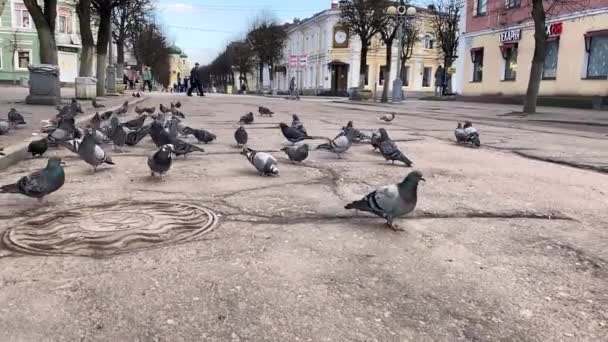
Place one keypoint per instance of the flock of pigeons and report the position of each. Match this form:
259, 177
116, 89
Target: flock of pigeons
167, 126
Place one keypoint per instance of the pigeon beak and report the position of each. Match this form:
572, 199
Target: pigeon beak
63, 163
423, 179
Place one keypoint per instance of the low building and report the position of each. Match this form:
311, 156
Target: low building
179, 65
324, 58
499, 46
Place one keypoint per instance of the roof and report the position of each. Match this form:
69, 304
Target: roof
175, 50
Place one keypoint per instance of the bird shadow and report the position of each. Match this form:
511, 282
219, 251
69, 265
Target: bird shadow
89, 171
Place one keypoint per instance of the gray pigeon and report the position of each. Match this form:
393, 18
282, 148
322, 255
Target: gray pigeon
201, 135
75, 105
97, 105
459, 133
72, 145
5, 127
39, 183
136, 135
339, 144
264, 162
122, 109
355, 134
136, 123
391, 201
472, 134
15, 117
387, 117
297, 153
65, 130
376, 139
265, 111
160, 161
92, 153
297, 124
247, 118
292, 134
241, 136
390, 151
119, 138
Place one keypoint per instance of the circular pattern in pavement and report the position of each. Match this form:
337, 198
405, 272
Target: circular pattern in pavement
109, 229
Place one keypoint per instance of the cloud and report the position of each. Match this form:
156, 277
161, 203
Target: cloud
178, 7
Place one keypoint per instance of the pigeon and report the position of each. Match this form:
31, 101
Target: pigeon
119, 136
136, 94
376, 139
136, 123
72, 145
97, 105
149, 110
15, 118
92, 153
161, 137
297, 124
75, 105
66, 130
177, 113
173, 127
391, 201
356, 135
200, 134
40, 183
135, 136
2, 153
100, 137
296, 153
293, 134
107, 114
339, 144
38, 147
160, 161
247, 118
178, 104
122, 109
265, 111
390, 150
164, 109
95, 121
387, 117
241, 136
459, 133
472, 134
139, 110
182, 148
264, 162
5, 127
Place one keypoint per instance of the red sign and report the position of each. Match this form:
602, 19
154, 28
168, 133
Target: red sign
293, 61
555, 29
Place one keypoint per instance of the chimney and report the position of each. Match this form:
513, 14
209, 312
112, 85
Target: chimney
334, 4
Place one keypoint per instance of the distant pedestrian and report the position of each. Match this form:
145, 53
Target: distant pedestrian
195, 81
439, 81
147, 78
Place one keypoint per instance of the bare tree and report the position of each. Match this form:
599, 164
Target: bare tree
411, 36
83, 9
267, 39
388, 32
243, 58
444, 20
103, 9
125, 18
152, 48
363, 18
14, 44
44, 18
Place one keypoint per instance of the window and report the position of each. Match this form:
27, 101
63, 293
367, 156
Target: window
23, 59
477, 58
482, 7
429, 42
550, 67
381, 75
426, 77
510, 56
64, 24
367, 75
512, 3
597, 56
22, 18
405, 76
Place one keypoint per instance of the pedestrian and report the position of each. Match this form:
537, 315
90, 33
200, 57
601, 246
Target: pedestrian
195, 81
292, 88
439, 81
147, 78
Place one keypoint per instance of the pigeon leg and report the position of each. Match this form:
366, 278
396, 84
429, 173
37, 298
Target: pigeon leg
391, 224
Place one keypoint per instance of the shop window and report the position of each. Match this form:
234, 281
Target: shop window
481, 7
597, 54
23, 59
405, 76
477, 59
426, 77
550, 67
509, 53
512, 3
381, 75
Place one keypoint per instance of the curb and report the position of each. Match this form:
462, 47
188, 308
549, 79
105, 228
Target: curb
18, 152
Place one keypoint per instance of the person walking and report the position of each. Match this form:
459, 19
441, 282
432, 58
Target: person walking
195, 81
147, 78
439, 81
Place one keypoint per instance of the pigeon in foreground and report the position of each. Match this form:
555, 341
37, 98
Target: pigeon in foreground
241, 136
297, 124
40, 183
297, 153
164, 109
95, 121
119, 136
107, 115
75, 105
472, 134
136, 123
264, 162
292, 134
66, 130
72, 145
376, 139
38, 147
247, 119
265, 111
459, 133
387, 117
92, 153
356, 135
339, 144
161, 137
391, 201
182, 148
15, 118
390, 151
97, 105
160, 161
135, 136
5, 127
139, 110
200, 134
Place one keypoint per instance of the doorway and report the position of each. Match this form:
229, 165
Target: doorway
339, 77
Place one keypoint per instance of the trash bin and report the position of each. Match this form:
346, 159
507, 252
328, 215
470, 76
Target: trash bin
45, 88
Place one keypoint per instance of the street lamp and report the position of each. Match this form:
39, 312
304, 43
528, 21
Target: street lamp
403, 13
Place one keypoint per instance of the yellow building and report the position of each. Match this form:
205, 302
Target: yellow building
179, 65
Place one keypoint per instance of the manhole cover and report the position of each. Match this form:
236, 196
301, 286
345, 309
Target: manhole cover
109, 229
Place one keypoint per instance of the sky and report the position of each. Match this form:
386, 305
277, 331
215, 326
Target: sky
202, 28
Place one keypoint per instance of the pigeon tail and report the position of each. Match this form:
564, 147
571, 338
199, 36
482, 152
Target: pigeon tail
358, 205
326, 146
10, 189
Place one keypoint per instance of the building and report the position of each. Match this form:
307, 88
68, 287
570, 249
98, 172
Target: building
19, 41
179, 65
325, 59
499, 44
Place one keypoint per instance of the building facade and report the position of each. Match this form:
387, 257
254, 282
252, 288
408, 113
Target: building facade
19, 45
179, 65
324, 58
499, 44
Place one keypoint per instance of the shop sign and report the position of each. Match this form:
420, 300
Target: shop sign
510, 36
67, 49
554, 29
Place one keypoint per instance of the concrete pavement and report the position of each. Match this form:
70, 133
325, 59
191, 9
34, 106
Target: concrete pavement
501, 247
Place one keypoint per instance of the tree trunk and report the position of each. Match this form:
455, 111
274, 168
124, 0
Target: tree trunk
45, 26
538, 61
261, 71
103, 39
120, 59
363, 66
387, 71
83, 8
